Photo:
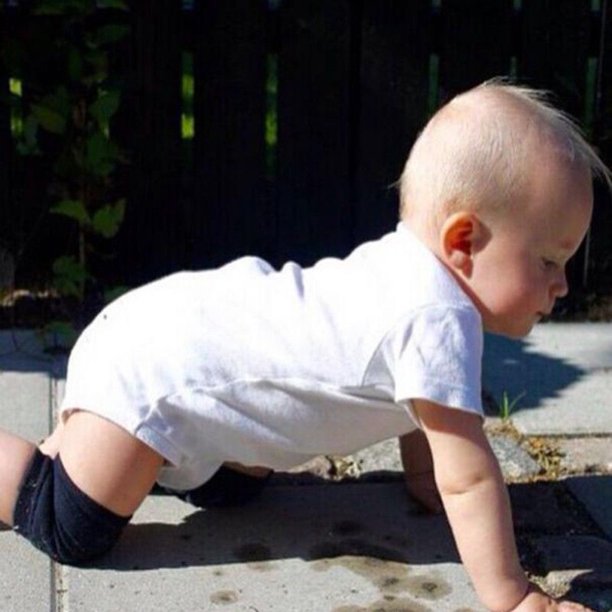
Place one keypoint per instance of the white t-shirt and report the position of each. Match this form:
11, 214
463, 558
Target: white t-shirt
245, 363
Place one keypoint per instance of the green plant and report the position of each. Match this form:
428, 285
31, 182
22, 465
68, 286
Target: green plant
70, 98
506, 406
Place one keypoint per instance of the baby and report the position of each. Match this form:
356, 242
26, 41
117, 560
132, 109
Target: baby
205, 381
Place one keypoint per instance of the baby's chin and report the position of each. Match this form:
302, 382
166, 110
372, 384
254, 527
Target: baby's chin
514, 332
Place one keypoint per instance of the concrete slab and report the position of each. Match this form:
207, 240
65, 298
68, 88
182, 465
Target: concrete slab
26, 576
515, 462
340, 547
564, 371
586, 454
383, 456
586, 345
595, 493
381, 462
25, 407
30, 381
337, 548
583, 407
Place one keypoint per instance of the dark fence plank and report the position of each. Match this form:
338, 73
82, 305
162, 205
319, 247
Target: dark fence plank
554, 49
393, 94
6, 227
554, 56
38, 237
475, 43
8, 246
600, 277
149, 126
603, 119
231, 214
314, 119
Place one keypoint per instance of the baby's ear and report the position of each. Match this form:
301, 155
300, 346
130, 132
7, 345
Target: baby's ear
459, 240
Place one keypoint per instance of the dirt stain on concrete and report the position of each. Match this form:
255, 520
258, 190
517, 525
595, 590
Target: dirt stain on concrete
384, 605
262, 566
223, 598
355, 547
383, 567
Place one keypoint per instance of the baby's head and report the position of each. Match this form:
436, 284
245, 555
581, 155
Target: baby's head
499, 186
479, 152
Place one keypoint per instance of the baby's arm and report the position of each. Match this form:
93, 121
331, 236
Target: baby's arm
476, 501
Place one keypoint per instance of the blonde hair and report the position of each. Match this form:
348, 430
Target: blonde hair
473, 152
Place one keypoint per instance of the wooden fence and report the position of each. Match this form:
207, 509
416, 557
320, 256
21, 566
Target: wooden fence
344, 87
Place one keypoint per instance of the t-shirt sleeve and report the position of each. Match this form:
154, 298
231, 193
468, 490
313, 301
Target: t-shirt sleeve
439, 358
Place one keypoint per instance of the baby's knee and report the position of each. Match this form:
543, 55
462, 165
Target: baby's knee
61, 520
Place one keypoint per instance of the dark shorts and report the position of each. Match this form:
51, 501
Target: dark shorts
60, 519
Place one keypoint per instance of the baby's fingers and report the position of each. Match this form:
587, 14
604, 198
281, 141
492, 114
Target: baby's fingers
568, 606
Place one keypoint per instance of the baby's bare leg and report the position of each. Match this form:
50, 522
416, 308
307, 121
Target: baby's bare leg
73, 500
15, 456
107, 463
102, 459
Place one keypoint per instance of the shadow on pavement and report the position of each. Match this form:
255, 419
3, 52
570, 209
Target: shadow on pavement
509, 367
367, 523
374, 520
22, 351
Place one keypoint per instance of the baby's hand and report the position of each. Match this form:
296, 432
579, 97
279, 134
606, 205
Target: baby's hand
422, 487
537, 601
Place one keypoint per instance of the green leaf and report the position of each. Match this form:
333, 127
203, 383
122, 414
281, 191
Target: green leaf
73, 209
107, 220
97, 65
50, 119
105, 107
53, 110
100, 154
69, 276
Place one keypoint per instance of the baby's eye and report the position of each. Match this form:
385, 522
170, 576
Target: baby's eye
549, 264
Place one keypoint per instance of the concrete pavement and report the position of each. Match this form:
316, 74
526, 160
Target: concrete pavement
344, 537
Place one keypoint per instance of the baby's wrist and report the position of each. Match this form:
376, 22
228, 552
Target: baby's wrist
527, 589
